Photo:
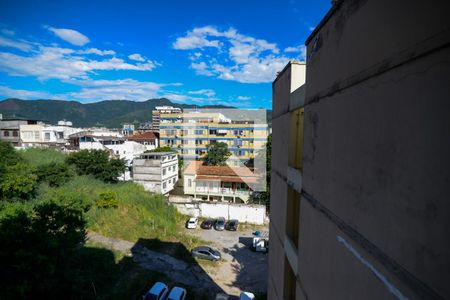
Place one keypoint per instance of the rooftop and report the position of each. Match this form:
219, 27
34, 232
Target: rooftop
142, 136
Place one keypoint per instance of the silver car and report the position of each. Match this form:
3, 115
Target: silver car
219, 224
205, 252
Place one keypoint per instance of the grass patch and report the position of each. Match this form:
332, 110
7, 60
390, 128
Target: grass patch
38, 156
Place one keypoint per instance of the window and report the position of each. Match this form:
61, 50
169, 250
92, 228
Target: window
289, 281
47, 136
189, 182
164, 185
238, 132
237, 143
164, 171
36, 135
185, 132
198, 132
295, 151
184, 151
15, 133
6, 133
198, 142
60, 135
293, 215
185, 142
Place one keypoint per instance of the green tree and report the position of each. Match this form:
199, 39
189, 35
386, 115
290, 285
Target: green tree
55, 174
217, 155
98, 164
18, 182
161, 149
39, 251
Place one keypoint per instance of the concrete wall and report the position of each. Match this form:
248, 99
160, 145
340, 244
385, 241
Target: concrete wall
374, 214
254, 214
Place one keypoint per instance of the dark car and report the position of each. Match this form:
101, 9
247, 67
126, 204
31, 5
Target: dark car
232, 225
207, 224
219, 224
205, 252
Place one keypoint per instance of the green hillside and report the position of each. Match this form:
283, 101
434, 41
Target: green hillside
109, 113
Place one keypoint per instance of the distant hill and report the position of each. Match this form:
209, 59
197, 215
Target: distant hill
110, 113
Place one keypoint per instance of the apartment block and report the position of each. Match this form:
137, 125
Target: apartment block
190, 133
156, 115
156, 171
359, 197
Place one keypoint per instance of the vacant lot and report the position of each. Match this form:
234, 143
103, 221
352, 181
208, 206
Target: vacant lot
241, 269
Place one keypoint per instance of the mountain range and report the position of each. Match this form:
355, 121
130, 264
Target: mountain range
109, 113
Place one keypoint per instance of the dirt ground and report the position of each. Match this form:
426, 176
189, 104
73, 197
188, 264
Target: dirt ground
241, 269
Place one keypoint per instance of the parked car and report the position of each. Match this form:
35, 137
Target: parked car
158, 291
219, 224
207, 224
232, 225
205, 252
177, 293
192, 223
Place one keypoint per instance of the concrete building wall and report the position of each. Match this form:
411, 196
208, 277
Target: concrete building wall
375, 179
158, 174
253, 214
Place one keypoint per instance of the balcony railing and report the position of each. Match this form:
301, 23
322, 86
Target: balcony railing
217, 190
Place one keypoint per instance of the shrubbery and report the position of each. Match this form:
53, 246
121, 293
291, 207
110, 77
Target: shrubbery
107, 200
98, 164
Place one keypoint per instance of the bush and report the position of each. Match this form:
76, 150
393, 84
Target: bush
98, 164
18, 182
55, 174
107, 200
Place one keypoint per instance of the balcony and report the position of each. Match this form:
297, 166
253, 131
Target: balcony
222, 191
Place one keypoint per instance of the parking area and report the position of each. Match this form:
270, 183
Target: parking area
240, 269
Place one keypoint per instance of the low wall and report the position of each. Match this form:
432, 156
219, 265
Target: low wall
249, 213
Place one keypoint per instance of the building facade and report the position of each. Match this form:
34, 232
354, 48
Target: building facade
156, 115
10, 130
218, 183
156, 171
359, 198
190, 134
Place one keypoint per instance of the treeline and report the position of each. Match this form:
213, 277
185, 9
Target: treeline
42, 253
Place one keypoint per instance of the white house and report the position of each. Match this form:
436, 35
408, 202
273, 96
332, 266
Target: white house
156, 171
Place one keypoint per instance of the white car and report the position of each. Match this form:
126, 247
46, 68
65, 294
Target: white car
192, 223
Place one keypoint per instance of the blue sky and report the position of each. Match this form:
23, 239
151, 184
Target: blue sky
201, 52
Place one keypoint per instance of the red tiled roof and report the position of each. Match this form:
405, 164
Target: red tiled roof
197, 167
146, 136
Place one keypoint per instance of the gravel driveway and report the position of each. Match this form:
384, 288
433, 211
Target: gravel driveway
241, 269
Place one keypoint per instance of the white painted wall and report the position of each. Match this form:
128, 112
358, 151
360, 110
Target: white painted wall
250, 213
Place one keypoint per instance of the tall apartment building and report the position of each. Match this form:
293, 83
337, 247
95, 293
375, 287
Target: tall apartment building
191, 132
156, 115
360, 197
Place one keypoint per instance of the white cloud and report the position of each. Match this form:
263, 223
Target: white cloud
22, 94
7, 32
62, 63
239, 57
21, 45
206, 92
197, 38
97, 52
69, 35
243, 98
122, 89
136, 57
